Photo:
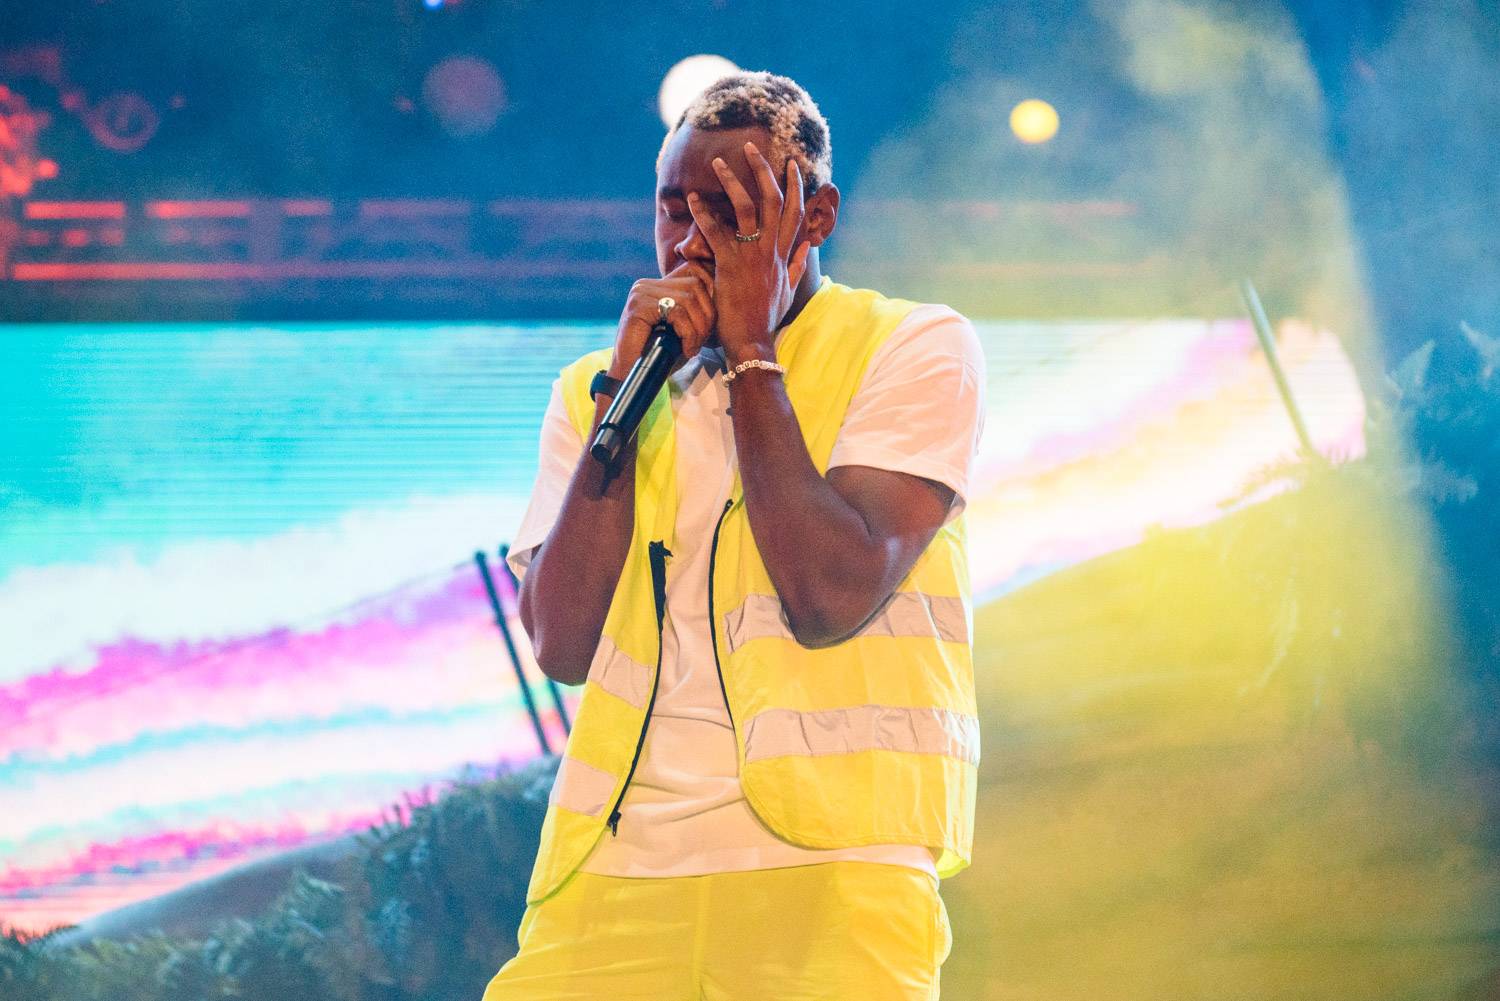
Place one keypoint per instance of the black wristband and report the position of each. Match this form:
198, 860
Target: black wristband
603, 384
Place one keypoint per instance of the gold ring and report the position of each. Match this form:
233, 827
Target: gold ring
751, 238
666, 304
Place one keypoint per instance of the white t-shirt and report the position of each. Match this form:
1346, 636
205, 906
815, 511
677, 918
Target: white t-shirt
919, 410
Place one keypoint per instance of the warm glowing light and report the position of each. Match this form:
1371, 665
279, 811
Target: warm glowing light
685, 81
1033, 121
74, 210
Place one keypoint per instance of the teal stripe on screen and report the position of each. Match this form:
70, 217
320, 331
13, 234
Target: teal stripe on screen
121, 434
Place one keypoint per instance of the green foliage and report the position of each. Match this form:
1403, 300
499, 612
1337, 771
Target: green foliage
28, 972
426, 912
1443, 420
1433, 464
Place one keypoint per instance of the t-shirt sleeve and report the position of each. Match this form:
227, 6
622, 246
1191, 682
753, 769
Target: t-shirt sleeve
559, 451
920, 409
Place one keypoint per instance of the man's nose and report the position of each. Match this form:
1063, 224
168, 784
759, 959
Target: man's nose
693, 247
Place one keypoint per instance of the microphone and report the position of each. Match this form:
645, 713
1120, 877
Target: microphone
644, 381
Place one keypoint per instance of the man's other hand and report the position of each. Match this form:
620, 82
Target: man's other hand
691, 285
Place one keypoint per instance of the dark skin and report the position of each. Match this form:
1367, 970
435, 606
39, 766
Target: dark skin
835, 546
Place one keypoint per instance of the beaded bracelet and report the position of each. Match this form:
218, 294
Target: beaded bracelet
769, 366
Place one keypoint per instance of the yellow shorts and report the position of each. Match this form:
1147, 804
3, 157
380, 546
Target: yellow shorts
836, 931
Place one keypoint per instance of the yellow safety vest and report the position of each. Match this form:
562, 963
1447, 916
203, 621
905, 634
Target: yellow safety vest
873, 740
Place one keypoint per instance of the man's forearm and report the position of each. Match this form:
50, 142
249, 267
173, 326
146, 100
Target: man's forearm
829, 570
568, 588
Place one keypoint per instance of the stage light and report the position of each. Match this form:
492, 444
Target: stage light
1033, 121
465, 94
432, 4
685, 81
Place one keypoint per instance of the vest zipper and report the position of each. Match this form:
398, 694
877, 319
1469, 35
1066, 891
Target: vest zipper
659, 553
713, 629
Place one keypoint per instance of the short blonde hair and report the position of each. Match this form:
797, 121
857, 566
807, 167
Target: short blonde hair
777, 104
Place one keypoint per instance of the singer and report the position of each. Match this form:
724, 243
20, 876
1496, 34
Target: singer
766, 600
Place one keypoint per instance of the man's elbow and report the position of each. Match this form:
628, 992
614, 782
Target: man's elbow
571, 674
816, 625
563, 667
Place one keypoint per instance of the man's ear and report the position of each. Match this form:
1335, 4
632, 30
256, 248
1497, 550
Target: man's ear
820, 214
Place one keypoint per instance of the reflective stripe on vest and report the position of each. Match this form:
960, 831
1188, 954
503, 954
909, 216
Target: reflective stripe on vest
780, 732
581, 788
907, 613
619, 674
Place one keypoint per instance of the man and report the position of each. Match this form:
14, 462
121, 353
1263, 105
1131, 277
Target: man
774, 759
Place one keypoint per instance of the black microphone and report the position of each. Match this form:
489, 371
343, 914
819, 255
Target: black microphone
646, 377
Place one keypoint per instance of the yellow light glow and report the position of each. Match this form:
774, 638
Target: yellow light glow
1033, 121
